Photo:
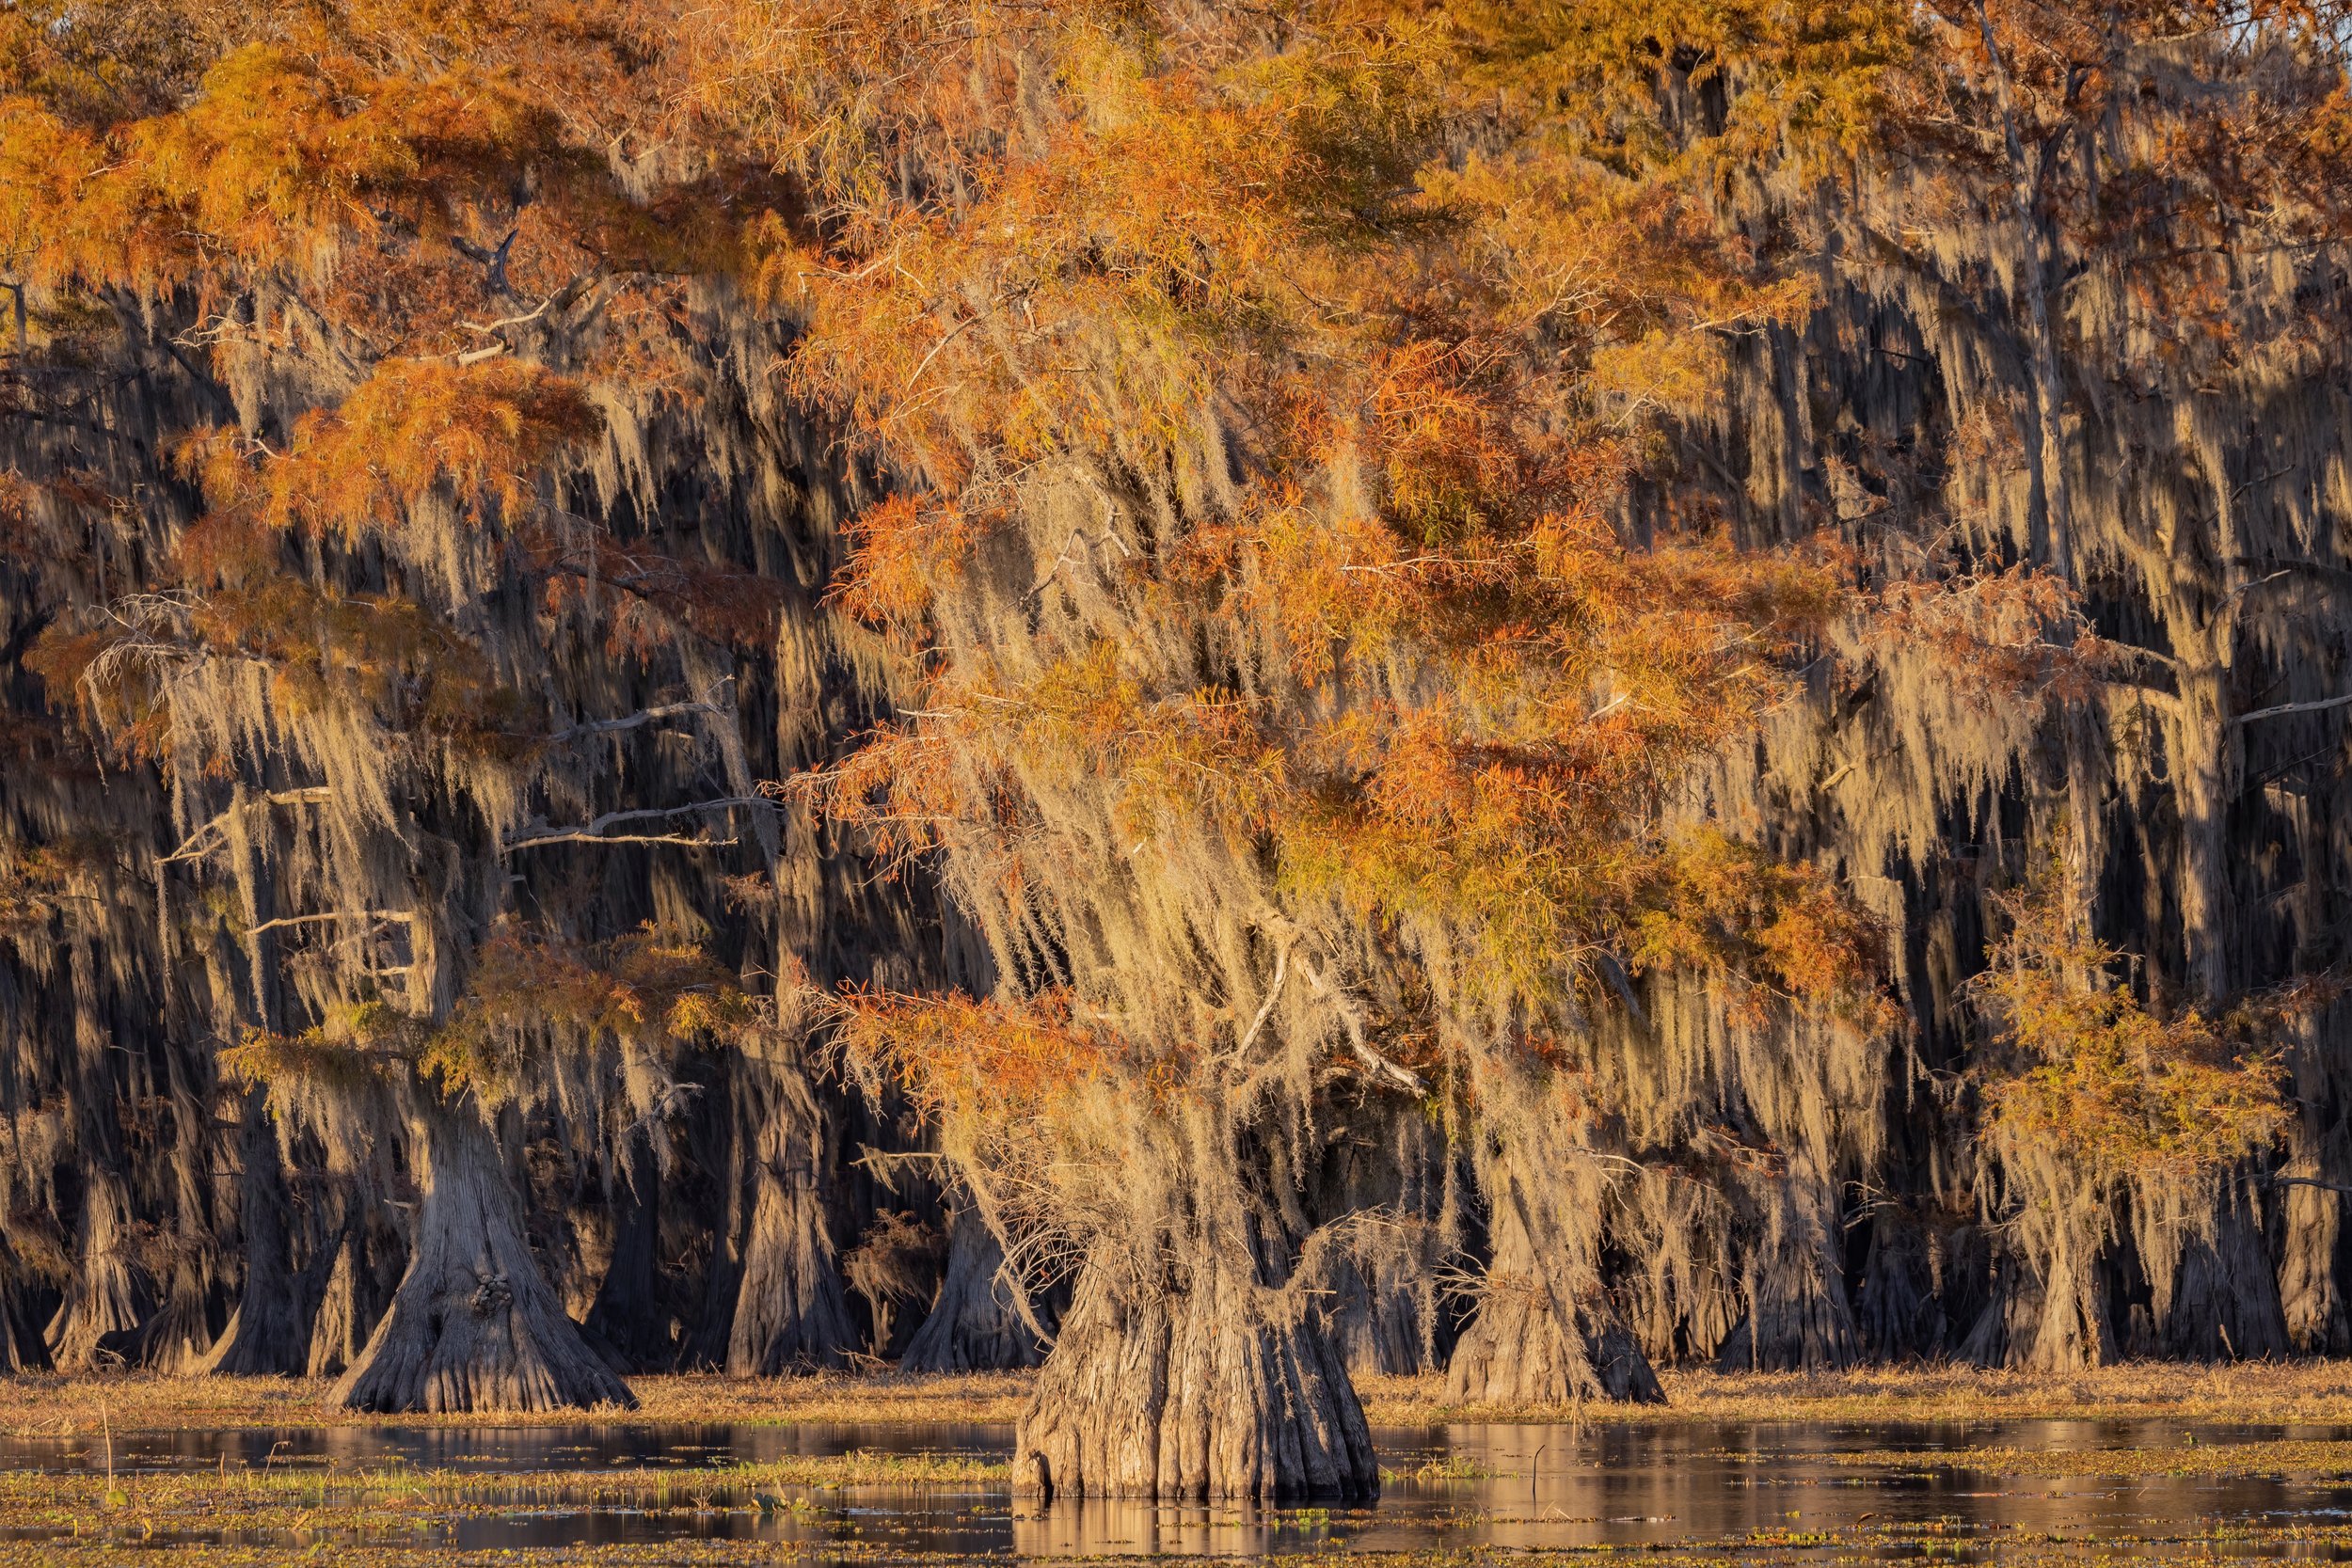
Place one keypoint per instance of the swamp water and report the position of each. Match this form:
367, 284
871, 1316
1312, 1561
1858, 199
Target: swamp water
1597, 1484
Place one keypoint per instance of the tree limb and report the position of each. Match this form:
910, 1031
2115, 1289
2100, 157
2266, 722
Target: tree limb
194, 847
2316, 707
594, 833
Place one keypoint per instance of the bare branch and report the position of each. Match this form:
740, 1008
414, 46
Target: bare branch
594, 833
2316, 706
206, 839
708, 703
378, 917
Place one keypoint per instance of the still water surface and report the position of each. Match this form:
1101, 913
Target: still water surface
1527, 1486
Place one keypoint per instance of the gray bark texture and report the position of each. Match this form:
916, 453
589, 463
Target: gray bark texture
473, 1325
1222, 1389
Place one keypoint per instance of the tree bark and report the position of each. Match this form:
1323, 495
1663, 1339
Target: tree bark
2053, 1323
1382, 1318
625, 1317
473, 1325
350, 1303
1215, 1386
103, 1302
2309, 1297
2048, 451
1798, 1317
971, 1326
269, 1332
1900, 1315
1545, 1332
790, 1312
2223, 1304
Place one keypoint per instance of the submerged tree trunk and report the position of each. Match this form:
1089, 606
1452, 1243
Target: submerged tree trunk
473, 1325
1215, 1386
973, 1325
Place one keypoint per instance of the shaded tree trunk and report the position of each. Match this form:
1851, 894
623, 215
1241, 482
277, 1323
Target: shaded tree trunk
2056, 1322
350, 1301
627, 1318
1900, 1314
973, 1325
1797, 1318
104, 1301
790, 1311
1384, 1318
473, 1325
2223, 1304
1545, 1334
269, 1331
1214, 1386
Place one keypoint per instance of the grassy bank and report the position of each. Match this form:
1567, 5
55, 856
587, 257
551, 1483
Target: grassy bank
379, 1496
2303, 1392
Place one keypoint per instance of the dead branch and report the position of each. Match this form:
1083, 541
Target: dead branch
538, 833
204, 840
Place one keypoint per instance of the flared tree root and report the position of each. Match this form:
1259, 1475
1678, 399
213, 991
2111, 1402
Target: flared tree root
1221, 1389
473, 1325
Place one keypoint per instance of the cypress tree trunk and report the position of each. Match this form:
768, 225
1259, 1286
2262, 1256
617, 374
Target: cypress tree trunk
2223, 1301
104, 1303
269, 1331
971, 1326
1546, 1333
349, 1308
626, 1317
473, 1325
2054, 1321
1798, 1317
1208, 1386
2309, 1299
790, 1312
1381, 1318
1900, 1314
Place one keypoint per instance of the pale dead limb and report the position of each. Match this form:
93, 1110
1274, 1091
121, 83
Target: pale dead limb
204, 840
594, 832
708, 703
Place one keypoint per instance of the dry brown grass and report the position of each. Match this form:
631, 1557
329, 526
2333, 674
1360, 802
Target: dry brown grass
2297, 1392
144, 1402
2243, 1393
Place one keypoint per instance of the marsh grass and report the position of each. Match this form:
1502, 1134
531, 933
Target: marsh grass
2244, 1393
138, 1402
374, 1513
2308, 1459
296, 1499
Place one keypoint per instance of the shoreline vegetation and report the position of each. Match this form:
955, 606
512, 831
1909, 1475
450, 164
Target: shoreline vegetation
376, 1510
2283, 1393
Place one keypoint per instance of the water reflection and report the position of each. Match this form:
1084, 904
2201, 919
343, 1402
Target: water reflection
1597, 1484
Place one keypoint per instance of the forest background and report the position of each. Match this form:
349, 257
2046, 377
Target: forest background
1209, 693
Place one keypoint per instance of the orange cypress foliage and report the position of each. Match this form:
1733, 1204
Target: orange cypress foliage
2085, 1068
983, 1063
471, 436
1450, 692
